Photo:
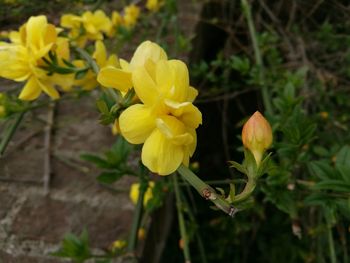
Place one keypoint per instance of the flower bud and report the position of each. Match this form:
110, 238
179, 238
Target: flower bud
257, 135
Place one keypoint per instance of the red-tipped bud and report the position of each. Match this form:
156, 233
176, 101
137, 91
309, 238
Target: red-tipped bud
257, 135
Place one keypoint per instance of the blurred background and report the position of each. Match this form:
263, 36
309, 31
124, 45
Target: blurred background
295, 51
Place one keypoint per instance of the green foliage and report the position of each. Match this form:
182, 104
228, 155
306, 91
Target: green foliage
114, 162
75, 247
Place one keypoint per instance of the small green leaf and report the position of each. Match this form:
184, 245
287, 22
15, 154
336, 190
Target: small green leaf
102, 106
334, 185
109, 177
98, 161
238, 166
222, 191
74, 247
81, 74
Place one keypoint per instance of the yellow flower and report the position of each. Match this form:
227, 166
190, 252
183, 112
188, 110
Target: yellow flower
89, 26
134, 193
118, 244
116, 20
167, 119
141, 233
21, 60
131, 15
146, 55
257, 135
153, 5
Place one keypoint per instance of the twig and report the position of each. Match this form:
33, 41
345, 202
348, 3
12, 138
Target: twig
182, 226
258, 58
137, 216
206, 191
22, 141
47, 148
224, 96
10, 132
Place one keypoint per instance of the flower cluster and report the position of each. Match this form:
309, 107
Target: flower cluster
22, 58
165, 120
94, 25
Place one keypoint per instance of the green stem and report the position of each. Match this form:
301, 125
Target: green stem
93, 65
112, 94
137, 217
331, 245
247, 191
206, 191
181, 219
10, 132
258, 58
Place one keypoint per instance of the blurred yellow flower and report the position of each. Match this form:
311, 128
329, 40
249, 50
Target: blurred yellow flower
21, 60
154, 5
167, 119
118, 244
257, 135
88, 26
145, 55
134, 193
131, 15
89, 81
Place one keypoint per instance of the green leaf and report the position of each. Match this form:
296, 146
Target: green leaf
102, 106
220, 190
74, 247
321, 169
121, 149
342, 162
238, 166
334, 185
109, 177
81, 74
98, 161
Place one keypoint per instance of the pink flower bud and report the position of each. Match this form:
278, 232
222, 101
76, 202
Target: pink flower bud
257, 135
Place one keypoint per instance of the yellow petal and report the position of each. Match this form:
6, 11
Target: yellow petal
124, 64
35, 29
70, 21
48, 88
192, 94
147, 50
112, 77
186, 112
113, 61
136, 123
179, 91
160, 155
144, 86
31, 90
100, 54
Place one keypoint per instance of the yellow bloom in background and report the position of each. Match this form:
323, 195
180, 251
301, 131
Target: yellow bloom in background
89, 81
118, 244
146, 55
131, 15
88, 26
21, 60
257, 135
116, 21
167, 119
134, 193
154, 5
